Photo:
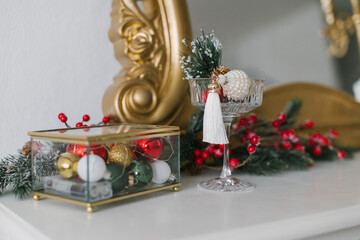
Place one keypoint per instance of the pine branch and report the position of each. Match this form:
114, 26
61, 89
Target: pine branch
202, 57
16, 175
292, 110
269, 161
189, 142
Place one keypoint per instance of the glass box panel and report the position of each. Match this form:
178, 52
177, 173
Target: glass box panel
99, 163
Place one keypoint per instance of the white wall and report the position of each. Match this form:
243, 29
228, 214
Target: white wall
277, 40
55, 57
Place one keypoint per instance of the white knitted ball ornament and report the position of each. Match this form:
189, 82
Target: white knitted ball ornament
235, 84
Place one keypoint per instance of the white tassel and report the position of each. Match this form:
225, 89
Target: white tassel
213, 126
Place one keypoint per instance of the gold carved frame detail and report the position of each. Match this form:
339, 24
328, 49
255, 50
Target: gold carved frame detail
149, 88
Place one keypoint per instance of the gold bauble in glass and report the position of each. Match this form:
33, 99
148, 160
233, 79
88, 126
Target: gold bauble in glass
120, 154
67, 165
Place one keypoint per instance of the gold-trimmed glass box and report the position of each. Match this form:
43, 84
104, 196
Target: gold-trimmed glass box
91, 166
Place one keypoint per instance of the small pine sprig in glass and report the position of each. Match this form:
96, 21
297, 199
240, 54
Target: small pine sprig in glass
202, 57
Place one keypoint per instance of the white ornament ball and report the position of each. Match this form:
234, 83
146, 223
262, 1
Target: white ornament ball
97, 168
161, 171
236, 84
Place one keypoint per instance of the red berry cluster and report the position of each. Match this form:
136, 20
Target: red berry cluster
245, 122
280, 119
290, 140
215, 150
318, 142
63, 118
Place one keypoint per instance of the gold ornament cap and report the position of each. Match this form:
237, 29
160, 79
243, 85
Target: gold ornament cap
67, 165
214, 87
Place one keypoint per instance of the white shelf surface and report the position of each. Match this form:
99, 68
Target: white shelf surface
291, 205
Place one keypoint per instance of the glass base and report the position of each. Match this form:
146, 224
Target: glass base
229, 184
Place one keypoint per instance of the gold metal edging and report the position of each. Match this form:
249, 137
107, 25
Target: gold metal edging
102, 202
153, 131
110, 140
134, 195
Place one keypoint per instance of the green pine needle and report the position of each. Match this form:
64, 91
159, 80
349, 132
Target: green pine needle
202, 57
16, 175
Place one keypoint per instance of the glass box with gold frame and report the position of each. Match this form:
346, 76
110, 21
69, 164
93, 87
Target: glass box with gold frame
91, 166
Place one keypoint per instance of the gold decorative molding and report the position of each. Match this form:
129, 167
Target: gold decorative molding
327, 107
149, 88
340, 26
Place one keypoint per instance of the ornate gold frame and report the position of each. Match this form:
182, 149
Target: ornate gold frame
149, 88
340, 26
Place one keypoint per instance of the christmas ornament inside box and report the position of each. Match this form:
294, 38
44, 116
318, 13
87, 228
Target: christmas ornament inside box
91, 166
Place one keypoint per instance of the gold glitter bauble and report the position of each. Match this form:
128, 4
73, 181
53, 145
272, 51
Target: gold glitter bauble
120, 154
67, 165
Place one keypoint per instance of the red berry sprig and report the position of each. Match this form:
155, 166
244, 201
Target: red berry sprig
63, 118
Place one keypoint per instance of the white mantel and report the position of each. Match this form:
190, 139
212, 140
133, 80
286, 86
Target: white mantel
292, 205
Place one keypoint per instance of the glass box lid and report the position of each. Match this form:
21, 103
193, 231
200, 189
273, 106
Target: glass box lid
104, 133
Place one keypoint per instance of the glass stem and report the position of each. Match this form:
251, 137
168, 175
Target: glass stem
226, 171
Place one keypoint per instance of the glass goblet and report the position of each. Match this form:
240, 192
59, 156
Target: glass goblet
230, 110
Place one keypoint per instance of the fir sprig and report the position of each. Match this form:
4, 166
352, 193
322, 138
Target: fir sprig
202, 57
15, 175
16, 170
292, 110
269, 161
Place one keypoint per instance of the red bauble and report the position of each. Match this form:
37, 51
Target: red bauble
80, 150
152, 147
